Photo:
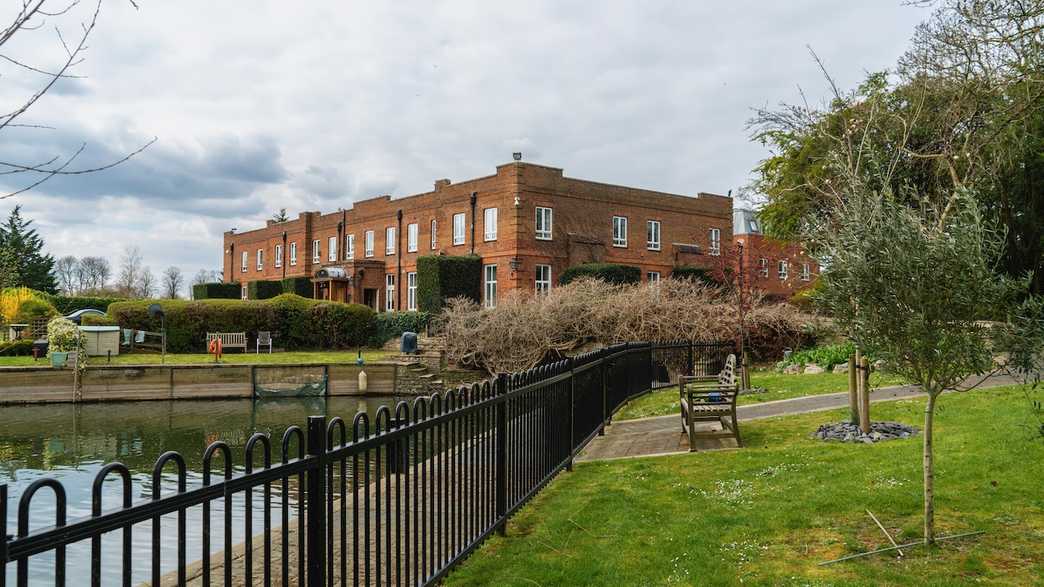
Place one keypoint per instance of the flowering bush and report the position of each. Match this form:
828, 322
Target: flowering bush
63, 336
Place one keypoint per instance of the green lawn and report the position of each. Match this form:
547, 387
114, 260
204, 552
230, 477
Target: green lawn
769, 513
777, 386
230, 357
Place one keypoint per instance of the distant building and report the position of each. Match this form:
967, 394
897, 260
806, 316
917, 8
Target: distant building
527, 222
778, 268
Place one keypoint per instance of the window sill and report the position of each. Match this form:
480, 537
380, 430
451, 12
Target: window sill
657, 249
543, 238
616, 246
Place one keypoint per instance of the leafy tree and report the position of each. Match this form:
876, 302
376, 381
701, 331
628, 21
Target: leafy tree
34, 268
280, 216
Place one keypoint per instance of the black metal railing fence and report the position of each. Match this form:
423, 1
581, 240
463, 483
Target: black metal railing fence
398, 499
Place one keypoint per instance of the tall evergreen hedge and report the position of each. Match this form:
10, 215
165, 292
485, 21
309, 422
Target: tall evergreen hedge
441, 277
216, 291
68, 304
608, 272
264, 289
694, 273
301, 286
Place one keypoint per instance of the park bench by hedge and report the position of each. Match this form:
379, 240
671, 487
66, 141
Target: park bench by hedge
229, 340
710, 398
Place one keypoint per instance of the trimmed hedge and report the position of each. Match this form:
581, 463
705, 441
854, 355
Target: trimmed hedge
699, 274
390, 325
32, 309
264, 289
301, 286
442, 277
607, 272
22, 347
68, 304
96, 320
297, 323
215, 291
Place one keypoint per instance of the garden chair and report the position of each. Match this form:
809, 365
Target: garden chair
264, 337
710, 399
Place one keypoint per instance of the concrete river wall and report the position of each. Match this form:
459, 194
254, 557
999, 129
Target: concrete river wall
167, 382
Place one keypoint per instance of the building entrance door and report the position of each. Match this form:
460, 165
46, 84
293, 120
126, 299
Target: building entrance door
370, 298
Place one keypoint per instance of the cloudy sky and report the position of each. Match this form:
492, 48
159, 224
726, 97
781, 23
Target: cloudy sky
307, 105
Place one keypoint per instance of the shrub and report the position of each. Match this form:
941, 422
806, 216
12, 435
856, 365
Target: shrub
11, 299
96, 320
692, 273
608, 272
22, 347
298, 323
389, 325
825, 356
301, 286
264, 289
68, 304
32, 309
443, 277
63, 336
215, 291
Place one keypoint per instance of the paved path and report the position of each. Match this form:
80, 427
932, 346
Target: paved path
662, 435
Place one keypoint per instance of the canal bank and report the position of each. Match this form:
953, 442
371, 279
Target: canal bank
103, 383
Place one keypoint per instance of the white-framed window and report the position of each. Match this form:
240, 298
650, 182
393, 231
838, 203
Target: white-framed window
458, 229
619, 231
243, 292
434, 234
652, 229
389, 292
782, 268
544, 222
389, 240
244, 262
715, 242
763, 267
543, 279
317, 254
368, 243
260, 259
349, 246
806, 272
411, 291
411, 237
653, 277
489, 224
331, 244
278, 256
293, 253
489, 278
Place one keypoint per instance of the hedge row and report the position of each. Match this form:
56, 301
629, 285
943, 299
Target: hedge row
699, 274
442, 277
263, 289
68, 304
296, 322
608, 272
216, 291
389, 325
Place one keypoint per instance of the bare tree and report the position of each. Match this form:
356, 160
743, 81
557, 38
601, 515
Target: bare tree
130, 270
173, 279
146, 283
31, 17
66, 270
206, 276
94, 273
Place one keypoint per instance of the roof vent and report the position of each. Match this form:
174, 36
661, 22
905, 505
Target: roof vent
441, 183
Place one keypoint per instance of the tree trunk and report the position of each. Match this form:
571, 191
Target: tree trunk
929, 470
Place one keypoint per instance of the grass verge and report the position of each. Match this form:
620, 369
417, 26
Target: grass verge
777, 386
769, 513
287, 358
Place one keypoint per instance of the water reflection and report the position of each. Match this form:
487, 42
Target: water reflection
72, 442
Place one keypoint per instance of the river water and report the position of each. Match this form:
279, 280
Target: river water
72, 442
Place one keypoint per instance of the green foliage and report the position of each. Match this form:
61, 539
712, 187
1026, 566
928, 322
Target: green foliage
298, 323
32, 309
63, 336
95, 320
442, 277
9, 270
390, 325
68, 304
692, 273
216, 291
22, 347
608, 272
31, 266
825, 356
301, 286
264, 289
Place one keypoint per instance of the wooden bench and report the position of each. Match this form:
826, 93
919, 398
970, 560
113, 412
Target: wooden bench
229, 340
710, 398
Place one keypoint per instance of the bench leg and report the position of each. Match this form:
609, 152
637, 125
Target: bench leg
735, 429
692, 433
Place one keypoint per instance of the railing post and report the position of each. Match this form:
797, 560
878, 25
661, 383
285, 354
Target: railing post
315, 501
3, 535
691, 359
572, 399
500, 486
606, 369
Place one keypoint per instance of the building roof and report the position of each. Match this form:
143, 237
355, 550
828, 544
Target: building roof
745, 221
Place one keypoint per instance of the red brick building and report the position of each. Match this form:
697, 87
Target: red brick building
527, 222
777, 268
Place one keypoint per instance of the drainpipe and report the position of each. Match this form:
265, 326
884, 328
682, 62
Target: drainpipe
398, 261
344, 237
282, 255
231, 261
474, 200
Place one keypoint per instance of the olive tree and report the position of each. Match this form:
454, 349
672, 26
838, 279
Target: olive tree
920, 288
